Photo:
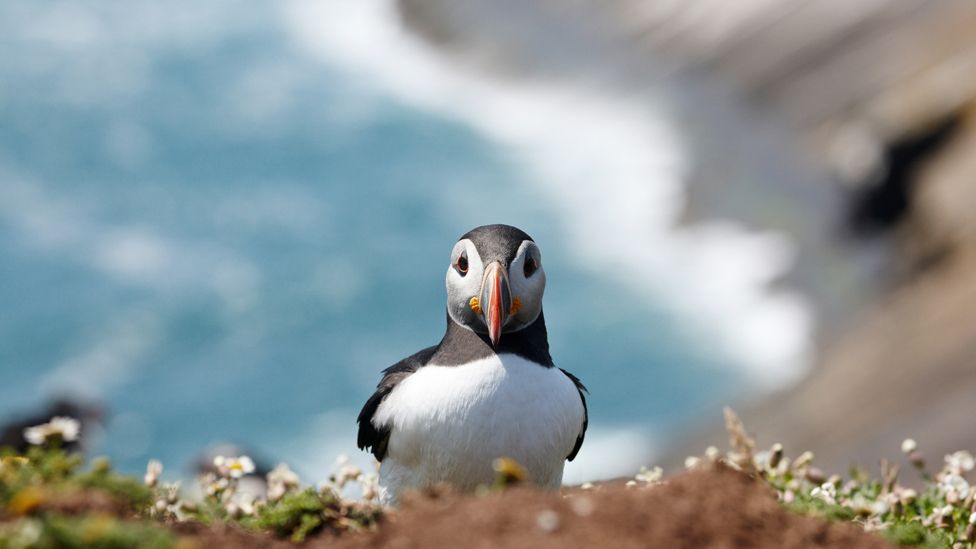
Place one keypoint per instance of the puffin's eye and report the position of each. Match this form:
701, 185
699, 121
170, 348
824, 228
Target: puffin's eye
461, 265
531, 265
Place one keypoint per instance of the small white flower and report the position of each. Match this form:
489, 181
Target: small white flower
346, 473
240, 504
875, 524
972, 518
168, 504
859, 504
283, 474
371, 487
908, 446
241, 466
826, 491
35, 435
880, 507
960, 462
172, 493
281, 480
712, 453
233, 467
153, 469
214, 484
247, 507
954, 487
650, 476
691, 462
66, 428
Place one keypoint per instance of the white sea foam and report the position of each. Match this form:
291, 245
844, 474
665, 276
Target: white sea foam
615, 170
108, 363
133, 254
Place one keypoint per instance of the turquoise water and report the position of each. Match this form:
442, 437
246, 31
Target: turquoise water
224, 239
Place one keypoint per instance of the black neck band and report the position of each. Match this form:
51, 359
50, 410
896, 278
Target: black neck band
462, 345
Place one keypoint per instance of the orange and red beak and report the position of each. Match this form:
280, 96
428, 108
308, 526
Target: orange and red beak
496, 300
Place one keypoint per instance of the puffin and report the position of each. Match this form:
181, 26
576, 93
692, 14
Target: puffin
488, 390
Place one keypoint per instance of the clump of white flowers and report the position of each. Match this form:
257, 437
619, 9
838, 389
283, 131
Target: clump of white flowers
281, 480
225, 497
944, 512
645, 477
59, 429
960, 463
100, 507
347, 474
167, 503
826, 492
223, 483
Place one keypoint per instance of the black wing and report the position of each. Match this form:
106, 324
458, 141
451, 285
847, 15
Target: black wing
586, 414
375, 437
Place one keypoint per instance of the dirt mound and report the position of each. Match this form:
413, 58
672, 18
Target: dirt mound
714, 507
709, 508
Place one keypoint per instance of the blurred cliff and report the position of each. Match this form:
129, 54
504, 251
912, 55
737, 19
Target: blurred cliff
856, 122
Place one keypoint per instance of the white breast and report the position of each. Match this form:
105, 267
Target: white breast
450, 422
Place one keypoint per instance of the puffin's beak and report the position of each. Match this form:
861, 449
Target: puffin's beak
496, 300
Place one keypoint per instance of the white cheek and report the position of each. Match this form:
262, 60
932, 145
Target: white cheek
470, 284
529, 291
460, 289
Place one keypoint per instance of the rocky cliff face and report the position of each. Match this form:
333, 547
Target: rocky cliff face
867, 109
907, 367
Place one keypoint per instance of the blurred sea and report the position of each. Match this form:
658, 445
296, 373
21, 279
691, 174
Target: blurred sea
225, 219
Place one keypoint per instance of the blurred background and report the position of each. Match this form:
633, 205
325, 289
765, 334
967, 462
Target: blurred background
219, 222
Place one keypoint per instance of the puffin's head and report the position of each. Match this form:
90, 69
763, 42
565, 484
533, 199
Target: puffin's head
495, 281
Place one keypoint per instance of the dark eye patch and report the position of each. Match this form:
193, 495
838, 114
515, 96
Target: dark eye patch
530, 266
461, 265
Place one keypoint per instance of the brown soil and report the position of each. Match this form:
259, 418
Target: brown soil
194, 535
710, 508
